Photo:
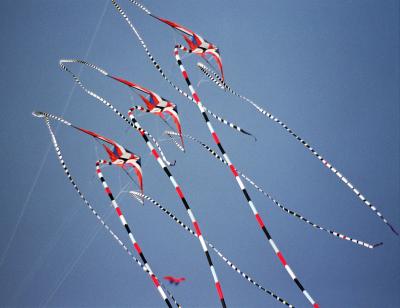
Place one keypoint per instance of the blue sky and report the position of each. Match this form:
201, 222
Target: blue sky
328, 69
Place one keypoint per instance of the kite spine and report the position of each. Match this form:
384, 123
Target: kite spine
86, 202
222, 84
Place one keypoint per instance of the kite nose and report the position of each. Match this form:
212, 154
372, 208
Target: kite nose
38, 114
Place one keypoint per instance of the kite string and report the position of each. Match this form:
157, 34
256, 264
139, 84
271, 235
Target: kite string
39, 171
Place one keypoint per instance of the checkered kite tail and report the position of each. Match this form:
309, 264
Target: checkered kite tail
238, 179
46, 117
276, 202
141, 6
222, 84
93, 94
162, 164
140, 196
128, 229
160, 70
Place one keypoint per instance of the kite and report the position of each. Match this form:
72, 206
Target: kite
219, 81
196, 99
138, 196
276, 202
144, 266
174, 280
196, 43
155, 104
135, 124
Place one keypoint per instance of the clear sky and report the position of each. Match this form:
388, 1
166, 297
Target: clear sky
330, 69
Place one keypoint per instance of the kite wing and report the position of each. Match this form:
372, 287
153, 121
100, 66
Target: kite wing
196, 43
155, 104
118, 155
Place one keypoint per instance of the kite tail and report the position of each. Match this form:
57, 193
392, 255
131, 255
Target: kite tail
169, 134
86, 202
239, 181
276, 202
222, 84
306, 220
231, 125
187, 207
139, 196
160, 70
141, 6
46, 116
128, 229
104, 101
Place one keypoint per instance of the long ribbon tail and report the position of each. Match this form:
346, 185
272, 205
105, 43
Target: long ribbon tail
85, 201
132, 122
222, 84
169, 134
187, 207
141, 6
239, 181
129, 230
104, 101
231, 125
138, 196
276, 202
160, 70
